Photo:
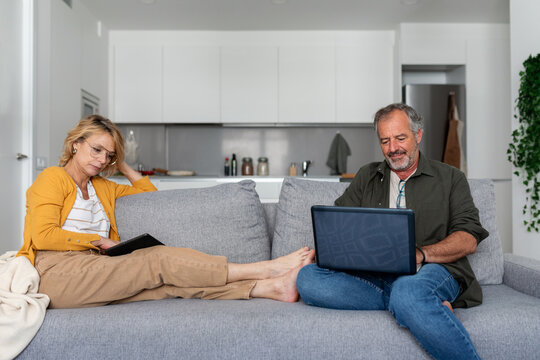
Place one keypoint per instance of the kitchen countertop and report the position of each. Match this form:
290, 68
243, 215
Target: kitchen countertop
232, 178
268, 187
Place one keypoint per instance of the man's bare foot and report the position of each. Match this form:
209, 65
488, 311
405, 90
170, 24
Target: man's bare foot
448, 305
286, 263
282, 288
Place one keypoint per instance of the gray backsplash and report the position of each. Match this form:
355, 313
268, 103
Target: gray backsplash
203, 148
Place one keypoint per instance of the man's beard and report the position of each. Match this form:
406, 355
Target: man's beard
404, 163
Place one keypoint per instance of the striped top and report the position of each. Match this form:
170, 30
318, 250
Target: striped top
88, 216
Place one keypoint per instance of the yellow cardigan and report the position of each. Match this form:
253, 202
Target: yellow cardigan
49, 201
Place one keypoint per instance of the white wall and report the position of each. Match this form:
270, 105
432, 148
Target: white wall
70, 56
524, 41
483, 49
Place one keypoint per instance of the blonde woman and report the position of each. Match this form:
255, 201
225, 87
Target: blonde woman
70, 218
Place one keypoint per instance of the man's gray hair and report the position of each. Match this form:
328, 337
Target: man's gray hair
416, 122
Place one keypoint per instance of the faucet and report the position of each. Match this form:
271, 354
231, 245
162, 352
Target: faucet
305, 167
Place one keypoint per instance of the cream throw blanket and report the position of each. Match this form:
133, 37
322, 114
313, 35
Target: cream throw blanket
22, 309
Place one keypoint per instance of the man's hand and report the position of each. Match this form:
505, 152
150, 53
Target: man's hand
104, 243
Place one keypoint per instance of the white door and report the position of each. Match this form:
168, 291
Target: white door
15, 115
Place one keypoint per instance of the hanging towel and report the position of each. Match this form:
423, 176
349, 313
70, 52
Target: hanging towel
453, 152
337, 156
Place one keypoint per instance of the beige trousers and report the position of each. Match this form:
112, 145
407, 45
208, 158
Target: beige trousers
86, 278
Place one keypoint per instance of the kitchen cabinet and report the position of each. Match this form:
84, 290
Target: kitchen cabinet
251, 77
249, 84
364, 81
307, 84
137, 84
191, 80
268, 187
124, 181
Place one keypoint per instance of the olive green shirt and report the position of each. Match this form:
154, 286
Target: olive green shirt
440, 197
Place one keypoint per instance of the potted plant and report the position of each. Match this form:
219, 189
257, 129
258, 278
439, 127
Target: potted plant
524, 151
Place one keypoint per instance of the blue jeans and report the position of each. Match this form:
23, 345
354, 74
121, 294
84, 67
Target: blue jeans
415, 301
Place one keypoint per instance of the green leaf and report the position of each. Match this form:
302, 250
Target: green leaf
524, 151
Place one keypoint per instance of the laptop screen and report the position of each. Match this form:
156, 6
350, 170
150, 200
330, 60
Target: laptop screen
364, 239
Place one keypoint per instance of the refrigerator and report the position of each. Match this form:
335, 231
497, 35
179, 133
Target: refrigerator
431, 102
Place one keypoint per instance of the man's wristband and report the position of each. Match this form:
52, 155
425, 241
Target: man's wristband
423, 255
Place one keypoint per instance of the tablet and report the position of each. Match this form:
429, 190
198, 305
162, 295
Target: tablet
138, 242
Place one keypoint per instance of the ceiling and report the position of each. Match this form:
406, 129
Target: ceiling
290, 14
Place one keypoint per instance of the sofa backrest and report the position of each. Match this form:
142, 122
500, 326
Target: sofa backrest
293, 228
230, 220
226, 219
487, 262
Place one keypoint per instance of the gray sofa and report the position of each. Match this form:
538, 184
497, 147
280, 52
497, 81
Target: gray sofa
230, 220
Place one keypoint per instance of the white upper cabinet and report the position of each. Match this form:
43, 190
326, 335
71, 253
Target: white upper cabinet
364, 80
137, 84
191, 79
249, 84
251, 77
307, 84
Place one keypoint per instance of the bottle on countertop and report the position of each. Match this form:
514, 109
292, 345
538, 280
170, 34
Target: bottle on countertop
130, 150
227, 168
234, 166
247, 166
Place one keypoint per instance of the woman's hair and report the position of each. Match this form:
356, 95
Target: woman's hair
88, 126
416, 121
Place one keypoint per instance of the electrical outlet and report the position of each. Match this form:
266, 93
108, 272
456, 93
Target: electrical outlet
41, 162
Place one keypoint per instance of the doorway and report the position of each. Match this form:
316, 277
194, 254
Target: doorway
16, 113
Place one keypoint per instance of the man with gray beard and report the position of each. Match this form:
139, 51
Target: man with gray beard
447, 229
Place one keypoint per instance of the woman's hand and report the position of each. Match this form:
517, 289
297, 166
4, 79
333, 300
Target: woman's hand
128, 172
104, 243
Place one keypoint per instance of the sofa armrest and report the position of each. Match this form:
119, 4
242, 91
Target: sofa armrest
522, 274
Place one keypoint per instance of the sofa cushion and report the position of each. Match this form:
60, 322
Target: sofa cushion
488, 262
505, 326
226, 219
293, 228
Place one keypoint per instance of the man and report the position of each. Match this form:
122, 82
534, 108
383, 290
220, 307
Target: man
447, 229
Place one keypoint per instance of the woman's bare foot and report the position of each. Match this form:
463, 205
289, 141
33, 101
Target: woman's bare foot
282, 288
270, 268
286, 263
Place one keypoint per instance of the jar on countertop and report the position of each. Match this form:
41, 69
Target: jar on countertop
262, 167
247, 166
293, 169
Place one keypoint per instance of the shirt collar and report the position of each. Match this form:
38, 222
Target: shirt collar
424, 166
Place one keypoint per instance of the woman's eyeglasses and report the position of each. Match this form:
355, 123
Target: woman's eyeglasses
98, 151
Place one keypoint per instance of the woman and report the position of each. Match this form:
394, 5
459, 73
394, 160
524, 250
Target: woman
70, 218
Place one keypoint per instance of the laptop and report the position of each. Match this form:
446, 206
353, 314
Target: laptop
364, 239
